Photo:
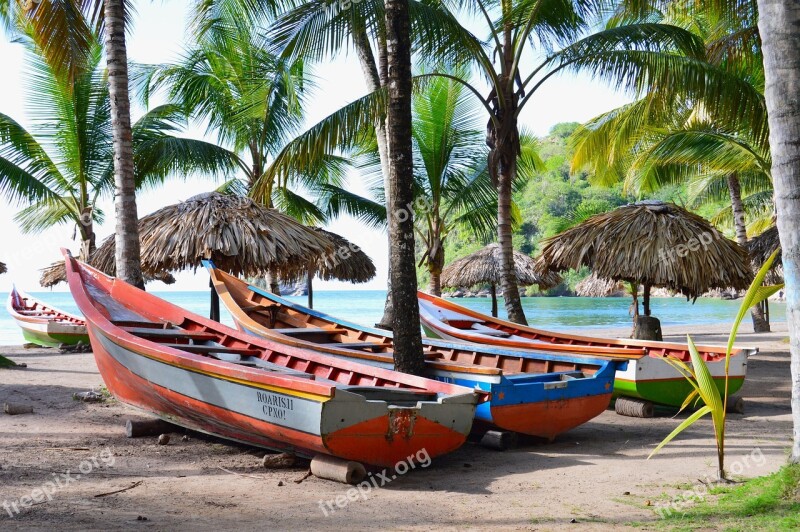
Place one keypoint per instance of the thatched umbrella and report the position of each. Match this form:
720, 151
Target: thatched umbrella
654, 244
483, 266
3, 268
237, 234
761, 248
345, 262
103, 260
594, 286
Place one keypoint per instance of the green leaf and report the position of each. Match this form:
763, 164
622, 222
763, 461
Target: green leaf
754, 295
680, 428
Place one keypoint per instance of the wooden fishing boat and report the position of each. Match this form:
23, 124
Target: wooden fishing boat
539, 394
44, 325
199, 374
650, 378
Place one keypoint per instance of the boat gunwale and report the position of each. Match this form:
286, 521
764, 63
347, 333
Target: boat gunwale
646, 344
238, 314
443, 390
586, 360
60, 317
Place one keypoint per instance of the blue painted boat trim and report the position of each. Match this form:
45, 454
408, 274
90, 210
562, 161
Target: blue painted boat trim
517, 389
524, 388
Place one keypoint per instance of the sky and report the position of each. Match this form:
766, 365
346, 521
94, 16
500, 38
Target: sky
158, 36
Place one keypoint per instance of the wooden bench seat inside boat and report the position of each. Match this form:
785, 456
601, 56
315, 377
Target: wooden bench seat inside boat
256, 362
393, 395
208, 349
358, 345
146, 332
298, 331
257, 307
147, 324
488, 331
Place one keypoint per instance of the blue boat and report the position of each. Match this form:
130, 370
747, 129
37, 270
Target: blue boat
538, 394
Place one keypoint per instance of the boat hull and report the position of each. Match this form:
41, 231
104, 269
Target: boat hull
53, 335
655, 380
543, 402
59, 329
649, 377
545, 405
257, 415
151, 355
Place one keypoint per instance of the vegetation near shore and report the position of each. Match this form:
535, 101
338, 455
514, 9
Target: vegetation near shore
771, 503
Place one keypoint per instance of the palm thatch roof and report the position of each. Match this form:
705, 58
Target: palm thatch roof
651, 243
3, 268
483, 266
594, 286
346, 262
103, 260
239, 235
761, 248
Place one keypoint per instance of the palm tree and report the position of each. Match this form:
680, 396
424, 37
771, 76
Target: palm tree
407, 334
128, 257
63, 166
452, 184
625, 55
778, 23
64, 32
251, 99
663, 140
319, 29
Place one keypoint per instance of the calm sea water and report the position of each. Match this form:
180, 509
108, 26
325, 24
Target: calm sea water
366, 307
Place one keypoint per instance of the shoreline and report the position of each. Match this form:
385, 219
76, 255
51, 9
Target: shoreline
597, 474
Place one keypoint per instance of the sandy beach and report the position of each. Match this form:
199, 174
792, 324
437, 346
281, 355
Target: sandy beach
594, 477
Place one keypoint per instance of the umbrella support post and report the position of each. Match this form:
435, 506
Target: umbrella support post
647, 328
310, 290
214, 315
494, 300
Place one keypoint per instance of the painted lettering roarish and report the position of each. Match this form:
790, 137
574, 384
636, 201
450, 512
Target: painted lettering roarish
275, 406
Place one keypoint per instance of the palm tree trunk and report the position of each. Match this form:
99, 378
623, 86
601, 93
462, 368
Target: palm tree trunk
408, 356
760, 323
503, 141
508, 276
273, 283
435, 263
88, 240
374, 82
128, 256
777, 23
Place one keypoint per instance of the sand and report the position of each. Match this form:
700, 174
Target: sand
596, 475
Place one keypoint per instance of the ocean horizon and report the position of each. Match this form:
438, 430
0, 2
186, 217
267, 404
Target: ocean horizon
366, 307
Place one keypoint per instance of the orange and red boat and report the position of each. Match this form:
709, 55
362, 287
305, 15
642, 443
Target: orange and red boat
205, 376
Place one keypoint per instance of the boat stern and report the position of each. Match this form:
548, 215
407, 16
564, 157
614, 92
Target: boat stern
389, 430
545, 405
